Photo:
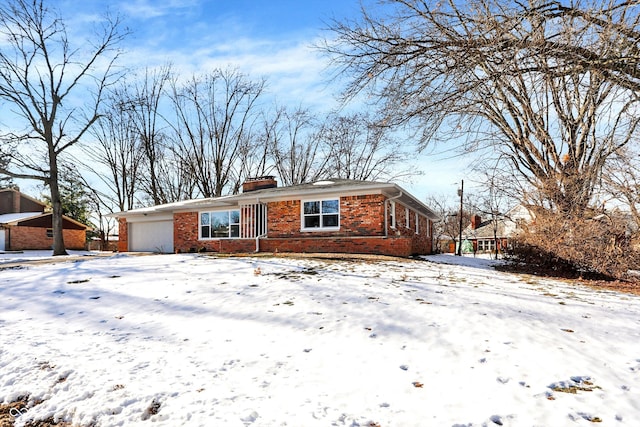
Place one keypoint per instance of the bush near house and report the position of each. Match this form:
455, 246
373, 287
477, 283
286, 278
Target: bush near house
599, 245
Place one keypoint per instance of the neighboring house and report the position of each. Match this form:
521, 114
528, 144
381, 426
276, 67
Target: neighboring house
486, 235
342, 216
25, 225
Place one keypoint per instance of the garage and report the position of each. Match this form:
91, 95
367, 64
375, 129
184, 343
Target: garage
151, 236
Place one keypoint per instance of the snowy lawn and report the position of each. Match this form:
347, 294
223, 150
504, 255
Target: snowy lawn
193, 340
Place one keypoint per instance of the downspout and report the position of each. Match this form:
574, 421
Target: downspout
386, 213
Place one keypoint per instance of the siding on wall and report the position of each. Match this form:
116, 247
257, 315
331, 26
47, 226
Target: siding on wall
12, 201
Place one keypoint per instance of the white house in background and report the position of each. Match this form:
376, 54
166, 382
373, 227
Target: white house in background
485, 233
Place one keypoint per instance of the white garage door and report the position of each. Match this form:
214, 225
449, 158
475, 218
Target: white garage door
152, 236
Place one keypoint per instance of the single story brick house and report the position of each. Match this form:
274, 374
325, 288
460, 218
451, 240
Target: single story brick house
25, 224
342, 216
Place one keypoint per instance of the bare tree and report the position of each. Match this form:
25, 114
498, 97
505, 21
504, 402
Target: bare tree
115, 154
5, 181
551, 88
493, 202
43, 80
621, 181
175, 176
447, 227
256, 160
214, 126
142, 98
359, 148
295, 146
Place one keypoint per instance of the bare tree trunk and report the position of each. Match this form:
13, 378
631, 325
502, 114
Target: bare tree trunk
39, 69
56, 204
550, 88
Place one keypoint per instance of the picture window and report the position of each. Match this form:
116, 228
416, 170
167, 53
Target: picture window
321, 214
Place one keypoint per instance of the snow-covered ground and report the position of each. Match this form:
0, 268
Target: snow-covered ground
193, 340
19, 256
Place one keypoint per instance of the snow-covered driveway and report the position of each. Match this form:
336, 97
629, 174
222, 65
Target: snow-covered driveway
193, 340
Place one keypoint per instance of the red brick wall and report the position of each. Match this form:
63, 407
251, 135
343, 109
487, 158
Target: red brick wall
75, 239
185, 238
185, 232
283, 218
30, 238
123, 235
359, 216
421, 243
398, 246
361, 231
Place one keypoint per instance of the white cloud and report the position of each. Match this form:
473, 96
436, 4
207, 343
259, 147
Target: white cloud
147, 9
294, 70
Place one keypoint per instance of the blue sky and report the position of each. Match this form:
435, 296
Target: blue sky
270, 39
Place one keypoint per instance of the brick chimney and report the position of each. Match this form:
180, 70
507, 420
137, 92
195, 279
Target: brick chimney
475, 221
259, 183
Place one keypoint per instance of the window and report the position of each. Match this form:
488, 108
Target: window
406, 217
417, 223
49, 233
320, 214
220, 224
486, 245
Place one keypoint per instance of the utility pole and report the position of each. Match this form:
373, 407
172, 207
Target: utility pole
460, 193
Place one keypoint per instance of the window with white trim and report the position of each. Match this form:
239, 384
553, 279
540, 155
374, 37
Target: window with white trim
321, 214
417, 223
486, 245
220, 224
406, 217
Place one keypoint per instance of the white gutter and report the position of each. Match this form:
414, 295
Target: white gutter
386, 212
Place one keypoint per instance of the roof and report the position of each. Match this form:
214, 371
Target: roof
485, 230
16, 218
505, 224
326, 188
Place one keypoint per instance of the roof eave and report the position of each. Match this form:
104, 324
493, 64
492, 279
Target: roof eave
388, 189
